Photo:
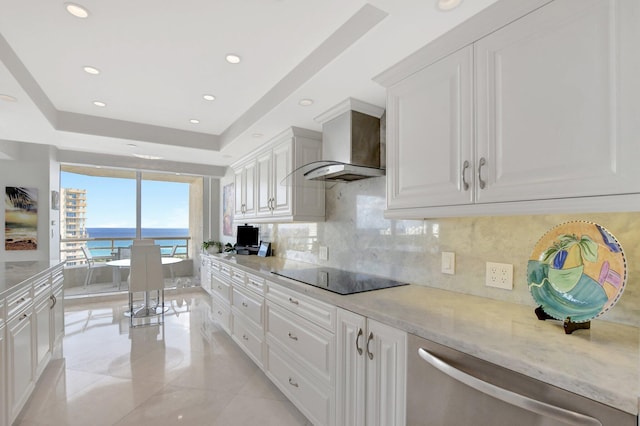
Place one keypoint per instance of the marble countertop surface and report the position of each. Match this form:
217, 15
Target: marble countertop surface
14, 273
601, 363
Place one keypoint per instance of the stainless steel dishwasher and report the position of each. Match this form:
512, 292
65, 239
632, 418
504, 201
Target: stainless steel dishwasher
446, 387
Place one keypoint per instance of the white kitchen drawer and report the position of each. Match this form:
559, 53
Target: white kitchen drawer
249, 304
223, 272
249, 338
18, 301
313, 345
255, 283
317, 312
221, 314
41, 284
57, 275
238, 276
312, 398
221, 288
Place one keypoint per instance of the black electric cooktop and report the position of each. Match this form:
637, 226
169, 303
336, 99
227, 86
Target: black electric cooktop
338, 281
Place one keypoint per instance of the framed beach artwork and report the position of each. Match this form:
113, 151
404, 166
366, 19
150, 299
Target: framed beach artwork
228, 193
21, 218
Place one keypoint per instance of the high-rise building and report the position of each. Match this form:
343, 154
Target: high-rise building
73, 218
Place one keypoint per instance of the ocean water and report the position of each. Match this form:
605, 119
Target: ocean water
98, 248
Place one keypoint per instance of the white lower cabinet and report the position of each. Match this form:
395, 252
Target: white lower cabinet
57, 316
3, 373
21, 360
247, 309
300, 356
312, 397
371, 367
42, 337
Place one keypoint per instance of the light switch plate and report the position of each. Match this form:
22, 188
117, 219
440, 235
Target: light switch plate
448, 263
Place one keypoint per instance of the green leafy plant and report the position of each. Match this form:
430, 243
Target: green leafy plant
212, 244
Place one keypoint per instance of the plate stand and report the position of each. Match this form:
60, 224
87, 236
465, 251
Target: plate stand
569, 326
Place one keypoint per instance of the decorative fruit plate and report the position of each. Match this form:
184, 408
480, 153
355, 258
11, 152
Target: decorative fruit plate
577, 271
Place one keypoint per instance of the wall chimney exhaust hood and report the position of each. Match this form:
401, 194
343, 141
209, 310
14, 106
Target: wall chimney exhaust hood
350, 143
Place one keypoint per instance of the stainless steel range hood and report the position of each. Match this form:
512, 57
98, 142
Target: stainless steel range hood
350, 143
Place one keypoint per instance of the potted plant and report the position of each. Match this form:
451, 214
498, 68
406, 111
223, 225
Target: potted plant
212, 247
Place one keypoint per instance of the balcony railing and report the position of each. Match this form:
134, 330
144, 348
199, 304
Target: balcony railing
104, 249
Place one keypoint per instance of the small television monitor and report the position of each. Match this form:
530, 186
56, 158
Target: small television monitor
247, 236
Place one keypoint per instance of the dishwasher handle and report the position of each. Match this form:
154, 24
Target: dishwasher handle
524, 402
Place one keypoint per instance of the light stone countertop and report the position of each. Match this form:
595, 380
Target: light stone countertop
601, 363
14, 273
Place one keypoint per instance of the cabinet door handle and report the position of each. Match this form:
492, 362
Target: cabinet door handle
293, 337
369, 354
22, 317
295, 302
19, 301
244, 336
53, 300
512, 398
358, 348
220, 313
481, 183
292, 383
245, 304
465, 184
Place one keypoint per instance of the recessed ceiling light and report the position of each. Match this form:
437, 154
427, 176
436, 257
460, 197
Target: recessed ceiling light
305, 102
194, 121
91, 70
99, 104
147, 156
445, 5
232, 58
257, 135
209, 97
76, 10
8, 98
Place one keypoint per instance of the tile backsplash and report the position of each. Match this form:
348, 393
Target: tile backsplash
360, 239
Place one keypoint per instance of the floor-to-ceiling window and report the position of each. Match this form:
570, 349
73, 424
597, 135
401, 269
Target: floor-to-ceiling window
104, 209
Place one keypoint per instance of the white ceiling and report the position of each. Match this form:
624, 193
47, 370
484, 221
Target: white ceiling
158, 58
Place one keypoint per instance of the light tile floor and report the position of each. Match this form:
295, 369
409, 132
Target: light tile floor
187, 371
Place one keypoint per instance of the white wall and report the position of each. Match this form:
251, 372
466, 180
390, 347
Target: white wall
32, 166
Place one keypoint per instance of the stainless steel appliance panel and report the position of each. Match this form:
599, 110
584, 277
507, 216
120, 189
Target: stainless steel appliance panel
448, 387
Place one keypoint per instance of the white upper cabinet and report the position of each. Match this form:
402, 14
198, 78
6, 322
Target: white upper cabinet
279, 195
550, 104
245, 184
533, 116
429, 134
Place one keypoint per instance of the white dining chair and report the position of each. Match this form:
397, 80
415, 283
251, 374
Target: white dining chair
146, 277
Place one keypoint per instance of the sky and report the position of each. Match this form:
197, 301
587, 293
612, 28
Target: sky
111, 202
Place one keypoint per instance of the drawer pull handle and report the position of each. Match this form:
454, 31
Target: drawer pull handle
19, 301
219, 287
292, 337
245, 304
512, 398
22, 317
295, 302
369, 354
358, 341
292, 383
219, 312
244, 336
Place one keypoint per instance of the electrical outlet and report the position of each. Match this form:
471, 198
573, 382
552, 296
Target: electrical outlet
499, 275
323, 253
